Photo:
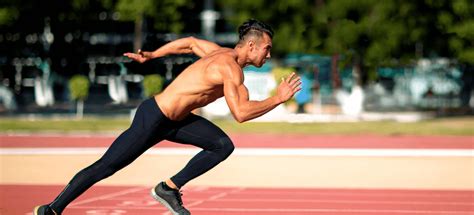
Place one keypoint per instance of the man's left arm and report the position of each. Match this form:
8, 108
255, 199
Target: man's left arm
188, 45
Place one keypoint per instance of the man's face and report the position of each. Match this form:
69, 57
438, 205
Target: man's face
260, 51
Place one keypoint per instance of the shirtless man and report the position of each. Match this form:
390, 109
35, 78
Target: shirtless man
168, 116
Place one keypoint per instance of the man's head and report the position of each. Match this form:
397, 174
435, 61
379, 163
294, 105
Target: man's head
257, 37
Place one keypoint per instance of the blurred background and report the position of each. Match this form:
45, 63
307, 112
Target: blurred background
355, 57
66, 92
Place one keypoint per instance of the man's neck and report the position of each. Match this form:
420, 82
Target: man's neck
241, 57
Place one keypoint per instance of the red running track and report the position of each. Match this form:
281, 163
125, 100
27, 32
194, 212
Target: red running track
260, 141
117, 200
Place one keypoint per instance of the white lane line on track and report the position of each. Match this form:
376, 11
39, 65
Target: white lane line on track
257, 152
216, 196
110, 195
332, 210
295, 210
309, 201
59, 135
358, 202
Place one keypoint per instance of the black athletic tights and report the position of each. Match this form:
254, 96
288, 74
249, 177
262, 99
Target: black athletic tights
149, 127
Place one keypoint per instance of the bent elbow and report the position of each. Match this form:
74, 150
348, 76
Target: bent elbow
240, 118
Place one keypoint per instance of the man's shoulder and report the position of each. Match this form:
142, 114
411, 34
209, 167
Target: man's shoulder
225, 58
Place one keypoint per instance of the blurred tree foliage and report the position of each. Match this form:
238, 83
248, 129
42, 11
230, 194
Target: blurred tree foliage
368, 33
166, 13
152, 85
292, 21
79, 87
8, 15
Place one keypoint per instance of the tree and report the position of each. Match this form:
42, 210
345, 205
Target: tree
152, 85
458, 24
79, 89
394, 33
291, 21
164, 12
367, 33
8, 15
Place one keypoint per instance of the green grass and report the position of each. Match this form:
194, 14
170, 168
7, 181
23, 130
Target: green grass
460, 126
445, 126
94, 125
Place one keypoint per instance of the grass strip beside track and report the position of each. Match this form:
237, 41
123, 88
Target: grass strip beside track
442, 126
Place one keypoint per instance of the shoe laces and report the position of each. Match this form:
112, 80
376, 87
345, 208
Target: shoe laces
178, 195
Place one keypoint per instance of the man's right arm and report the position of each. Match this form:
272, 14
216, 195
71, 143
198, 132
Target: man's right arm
188, 45
237, 95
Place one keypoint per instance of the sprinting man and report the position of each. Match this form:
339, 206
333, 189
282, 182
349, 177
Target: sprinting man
167, 116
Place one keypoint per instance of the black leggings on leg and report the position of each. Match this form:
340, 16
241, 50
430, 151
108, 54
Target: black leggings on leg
149, 127
200, 132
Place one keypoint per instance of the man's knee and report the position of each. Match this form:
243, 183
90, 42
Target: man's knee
225, 147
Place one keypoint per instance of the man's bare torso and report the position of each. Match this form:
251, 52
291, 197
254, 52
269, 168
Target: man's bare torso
198, 85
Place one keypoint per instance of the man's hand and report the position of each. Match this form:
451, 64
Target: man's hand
288, 87
140, 56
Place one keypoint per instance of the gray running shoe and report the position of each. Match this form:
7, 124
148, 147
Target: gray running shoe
171, 199
44, 210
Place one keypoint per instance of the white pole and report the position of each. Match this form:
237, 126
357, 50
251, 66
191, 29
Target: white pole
80, 109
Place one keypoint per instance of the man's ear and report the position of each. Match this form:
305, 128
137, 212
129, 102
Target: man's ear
251, 44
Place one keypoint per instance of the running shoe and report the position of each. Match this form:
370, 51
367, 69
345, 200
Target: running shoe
171, 199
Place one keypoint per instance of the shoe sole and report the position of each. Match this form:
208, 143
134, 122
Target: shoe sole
35, 211
162, 201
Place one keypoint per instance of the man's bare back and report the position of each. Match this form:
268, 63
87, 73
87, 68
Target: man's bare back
198, 85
